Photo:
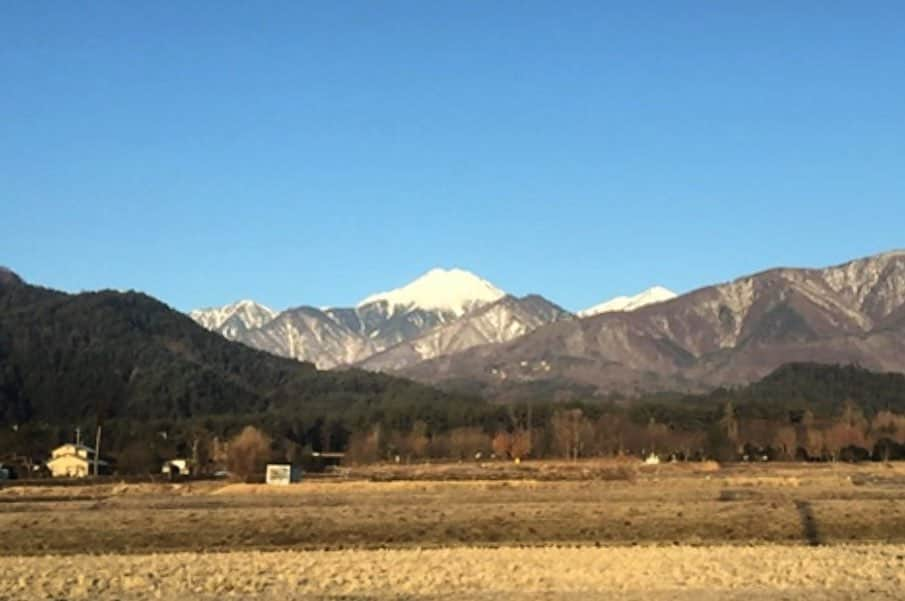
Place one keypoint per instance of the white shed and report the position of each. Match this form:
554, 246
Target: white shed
283, 473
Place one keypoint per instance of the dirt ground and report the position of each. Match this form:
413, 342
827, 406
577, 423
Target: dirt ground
548, 531
809, 504
631, 573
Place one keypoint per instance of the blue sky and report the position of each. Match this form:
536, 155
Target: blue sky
312, 153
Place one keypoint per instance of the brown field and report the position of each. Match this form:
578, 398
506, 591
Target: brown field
549, 529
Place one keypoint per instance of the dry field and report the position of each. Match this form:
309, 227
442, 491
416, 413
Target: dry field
546, 531
631, 573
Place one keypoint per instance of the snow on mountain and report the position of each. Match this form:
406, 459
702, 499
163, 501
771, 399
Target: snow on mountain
501, 321
454, 291
657, 294
725, 334
309, 334
335, 336
233, 319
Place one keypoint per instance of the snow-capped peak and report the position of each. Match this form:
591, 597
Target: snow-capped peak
248, 312
657, 294
453, 290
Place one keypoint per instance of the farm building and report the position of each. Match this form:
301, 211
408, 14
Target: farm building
74, 461
283, 473
176, 467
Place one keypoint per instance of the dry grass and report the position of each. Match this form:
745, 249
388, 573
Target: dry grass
639, 573
584, 503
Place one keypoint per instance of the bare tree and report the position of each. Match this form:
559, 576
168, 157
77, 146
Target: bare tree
201, 451
364, 447
849, 430
248, 452
465, 442
520, 444
814, 443
783, 440
609, 434
886, 426
417, 441
571, 432
730, 426
657, 438
842, 435
501, 444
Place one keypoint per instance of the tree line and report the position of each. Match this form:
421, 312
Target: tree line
243, 444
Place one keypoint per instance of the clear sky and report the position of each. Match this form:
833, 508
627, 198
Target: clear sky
313, 153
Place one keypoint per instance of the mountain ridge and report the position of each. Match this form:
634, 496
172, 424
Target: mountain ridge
728, 333
339, 336
233, 319
711, 335
506, 319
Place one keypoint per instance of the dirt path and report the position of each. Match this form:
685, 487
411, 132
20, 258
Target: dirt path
649, 573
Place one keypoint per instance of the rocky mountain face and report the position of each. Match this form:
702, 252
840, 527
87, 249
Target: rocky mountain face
454, 326
233, 320
729, 333
500, 321
436, 307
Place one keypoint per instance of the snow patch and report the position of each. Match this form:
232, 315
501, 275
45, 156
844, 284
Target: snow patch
656, 294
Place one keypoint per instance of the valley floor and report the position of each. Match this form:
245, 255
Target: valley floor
544, 531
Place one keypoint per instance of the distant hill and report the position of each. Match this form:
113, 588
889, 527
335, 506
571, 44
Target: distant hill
822, 389
128, 356
782, 397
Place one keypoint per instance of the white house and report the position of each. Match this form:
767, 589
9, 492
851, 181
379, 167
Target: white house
74, 461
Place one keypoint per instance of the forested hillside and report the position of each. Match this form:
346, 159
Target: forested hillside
129, 361
822, 389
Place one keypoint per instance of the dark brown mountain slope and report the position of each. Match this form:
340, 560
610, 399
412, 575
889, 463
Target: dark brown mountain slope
729, 333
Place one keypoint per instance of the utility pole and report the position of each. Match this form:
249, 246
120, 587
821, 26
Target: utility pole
97, 448
78, 436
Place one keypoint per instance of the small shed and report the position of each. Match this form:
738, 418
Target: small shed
283, 473
176, 467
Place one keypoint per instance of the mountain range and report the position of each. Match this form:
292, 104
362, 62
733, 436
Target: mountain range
725, 334
452, 327
439, 313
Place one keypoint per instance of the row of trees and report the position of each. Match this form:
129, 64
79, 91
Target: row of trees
572, 434
542, 430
